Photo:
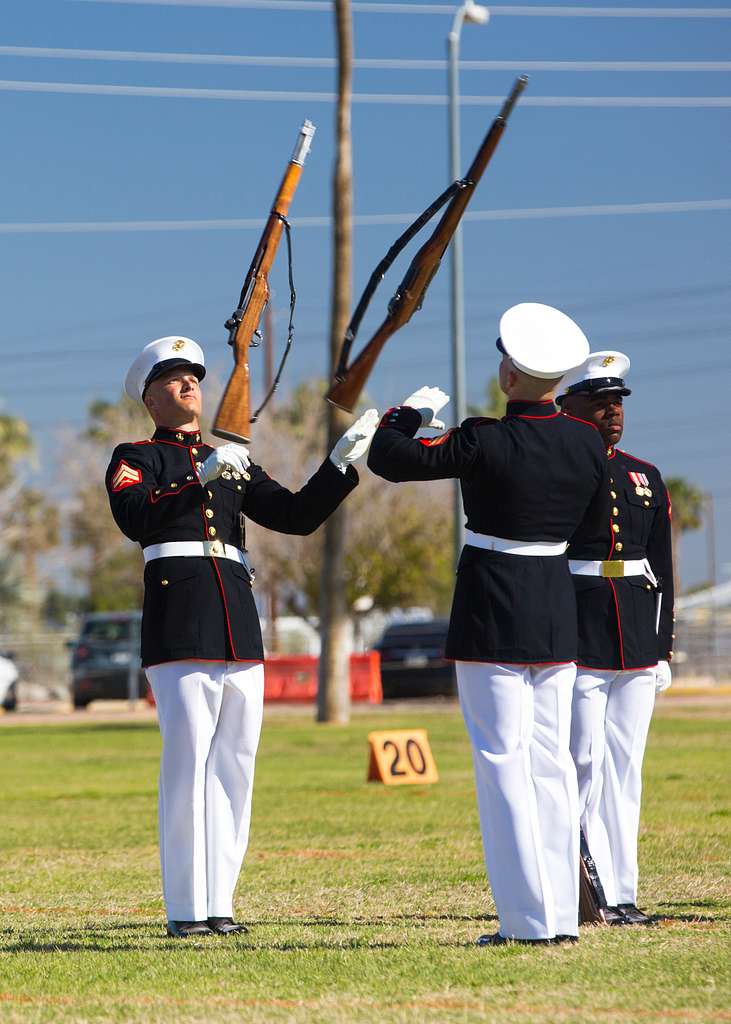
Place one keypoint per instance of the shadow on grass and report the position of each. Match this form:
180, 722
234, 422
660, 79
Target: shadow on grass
78, 725
682, 918
370, 922
137, 937
162, 944
707, 902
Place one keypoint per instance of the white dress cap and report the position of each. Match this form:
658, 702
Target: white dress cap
602, 371
542, 341
159, 356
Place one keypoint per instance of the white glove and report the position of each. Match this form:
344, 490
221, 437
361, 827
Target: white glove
231, 457
663, 676
428, 401
356, 440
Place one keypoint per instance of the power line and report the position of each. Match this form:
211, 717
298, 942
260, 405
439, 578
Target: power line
520, 11
359, 220
391, 99
366, 63
436, 361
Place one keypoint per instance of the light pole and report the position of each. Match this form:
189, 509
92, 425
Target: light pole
476, 15
710, 517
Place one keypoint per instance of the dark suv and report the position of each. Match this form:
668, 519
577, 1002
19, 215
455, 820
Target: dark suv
412, 660
108, 644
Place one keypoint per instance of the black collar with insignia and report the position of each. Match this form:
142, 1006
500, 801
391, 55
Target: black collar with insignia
184, 437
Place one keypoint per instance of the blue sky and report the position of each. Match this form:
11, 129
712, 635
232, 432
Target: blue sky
78, 305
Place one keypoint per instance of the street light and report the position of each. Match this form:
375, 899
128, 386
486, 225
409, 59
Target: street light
473, 14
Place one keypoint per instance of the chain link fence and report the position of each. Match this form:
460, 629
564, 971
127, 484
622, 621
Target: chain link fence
703, 647
43, 661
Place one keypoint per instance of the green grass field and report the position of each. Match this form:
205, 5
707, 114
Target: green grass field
364, 902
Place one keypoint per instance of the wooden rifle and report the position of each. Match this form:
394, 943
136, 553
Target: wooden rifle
350, 379
234, 417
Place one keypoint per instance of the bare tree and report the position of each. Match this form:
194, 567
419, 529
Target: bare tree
333, 698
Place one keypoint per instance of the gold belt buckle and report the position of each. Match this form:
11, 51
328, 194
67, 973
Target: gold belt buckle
613, 570
215, 548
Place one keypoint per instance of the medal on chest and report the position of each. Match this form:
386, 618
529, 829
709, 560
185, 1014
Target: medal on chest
642, 484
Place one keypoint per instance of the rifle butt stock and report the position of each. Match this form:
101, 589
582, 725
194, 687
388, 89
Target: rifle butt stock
233, 418
345, 392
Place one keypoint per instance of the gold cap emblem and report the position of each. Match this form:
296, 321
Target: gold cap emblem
178, 345
606, 361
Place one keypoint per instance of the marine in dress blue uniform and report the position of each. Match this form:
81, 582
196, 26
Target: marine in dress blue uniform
529, 482
186, 504
623, 577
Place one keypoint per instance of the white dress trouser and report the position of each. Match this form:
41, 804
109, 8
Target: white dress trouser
611, 719
210, 717
518, 718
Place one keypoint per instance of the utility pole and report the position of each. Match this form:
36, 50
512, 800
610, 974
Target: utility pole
333, 692
475, 14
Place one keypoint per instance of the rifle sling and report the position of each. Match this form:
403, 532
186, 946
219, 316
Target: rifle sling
290, 326
379, 273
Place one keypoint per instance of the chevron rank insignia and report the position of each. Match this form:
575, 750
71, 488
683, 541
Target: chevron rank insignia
125, 476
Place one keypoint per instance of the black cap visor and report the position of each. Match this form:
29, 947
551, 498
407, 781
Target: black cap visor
171, 364
599, 385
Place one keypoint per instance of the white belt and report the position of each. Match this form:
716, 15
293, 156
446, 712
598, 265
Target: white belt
195, 549
514, 547
616, 569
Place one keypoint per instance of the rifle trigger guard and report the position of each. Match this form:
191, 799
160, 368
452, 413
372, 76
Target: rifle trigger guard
232, 325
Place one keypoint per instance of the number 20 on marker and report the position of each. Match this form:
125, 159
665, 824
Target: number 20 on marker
400, 757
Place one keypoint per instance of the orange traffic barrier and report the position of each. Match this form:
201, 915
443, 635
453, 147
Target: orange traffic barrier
293, 678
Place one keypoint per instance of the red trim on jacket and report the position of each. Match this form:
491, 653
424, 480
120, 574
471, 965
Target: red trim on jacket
579, 420
477, 661
524, 416
208, 661
619, 623
173, 444
593, 668
154, 498
643, 461
195, 468
225, 608
434, 442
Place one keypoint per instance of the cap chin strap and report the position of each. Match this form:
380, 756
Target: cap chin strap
598, 384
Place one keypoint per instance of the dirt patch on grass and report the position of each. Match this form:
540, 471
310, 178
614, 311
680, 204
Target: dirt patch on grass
303, 855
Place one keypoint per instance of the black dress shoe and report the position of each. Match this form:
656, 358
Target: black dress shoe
634, 916
226, 926
500, 940
614, 916
188, 929
559, 940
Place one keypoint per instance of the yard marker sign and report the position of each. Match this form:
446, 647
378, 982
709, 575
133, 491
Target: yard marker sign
400, 757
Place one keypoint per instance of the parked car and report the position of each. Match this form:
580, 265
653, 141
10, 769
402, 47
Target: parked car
8, 683
412, 660
109, 642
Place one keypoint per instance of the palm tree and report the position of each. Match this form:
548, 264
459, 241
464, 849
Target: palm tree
687, 504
